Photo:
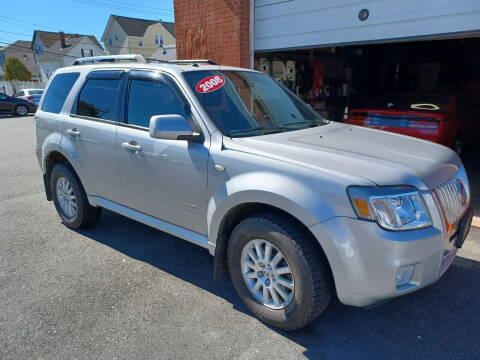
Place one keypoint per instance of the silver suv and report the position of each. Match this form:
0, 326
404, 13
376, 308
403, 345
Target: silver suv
295, 207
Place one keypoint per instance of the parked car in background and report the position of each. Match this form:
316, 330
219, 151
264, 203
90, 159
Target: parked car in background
437, 118
16, 106
32, 95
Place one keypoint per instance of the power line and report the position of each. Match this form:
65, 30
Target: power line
140, 6
15, 33
139, 47
43, 51
119, 7
34, 28
26, 22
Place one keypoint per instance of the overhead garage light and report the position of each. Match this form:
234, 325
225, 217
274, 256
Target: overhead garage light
363, 14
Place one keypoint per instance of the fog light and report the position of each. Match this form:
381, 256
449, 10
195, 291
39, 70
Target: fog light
404, 275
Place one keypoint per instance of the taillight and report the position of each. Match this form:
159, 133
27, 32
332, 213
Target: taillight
30, 98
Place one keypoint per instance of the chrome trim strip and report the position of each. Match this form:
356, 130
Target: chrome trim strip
449, 197
111, 58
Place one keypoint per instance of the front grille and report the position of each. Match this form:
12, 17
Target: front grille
454, 197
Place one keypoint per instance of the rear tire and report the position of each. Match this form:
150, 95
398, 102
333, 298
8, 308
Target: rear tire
309, 274
70, 198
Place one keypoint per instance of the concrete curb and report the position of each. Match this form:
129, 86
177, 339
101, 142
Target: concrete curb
476, 221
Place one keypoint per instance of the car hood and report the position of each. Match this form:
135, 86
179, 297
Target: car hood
383, 158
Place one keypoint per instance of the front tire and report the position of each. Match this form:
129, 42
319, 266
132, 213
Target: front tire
70, 198
278, 272
21, 110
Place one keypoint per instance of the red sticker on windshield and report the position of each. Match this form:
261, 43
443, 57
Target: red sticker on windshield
210, 84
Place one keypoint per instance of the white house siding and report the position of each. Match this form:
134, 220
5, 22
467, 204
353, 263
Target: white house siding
52, 58
75, 51
284, 24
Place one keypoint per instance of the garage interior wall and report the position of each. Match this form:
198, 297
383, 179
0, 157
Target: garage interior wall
354, 76
217, 30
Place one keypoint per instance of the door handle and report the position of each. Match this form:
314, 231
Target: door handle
73, 132
133, 146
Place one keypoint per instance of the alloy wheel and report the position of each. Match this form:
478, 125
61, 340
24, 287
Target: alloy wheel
66, 197
22, 110
267, 274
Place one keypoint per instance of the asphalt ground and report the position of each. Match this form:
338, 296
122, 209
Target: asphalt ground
125, 290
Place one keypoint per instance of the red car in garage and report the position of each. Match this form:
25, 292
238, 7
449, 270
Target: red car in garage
444, 119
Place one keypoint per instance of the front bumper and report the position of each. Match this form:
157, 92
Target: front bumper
365, 258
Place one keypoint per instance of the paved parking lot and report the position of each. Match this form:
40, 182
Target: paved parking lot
124, 290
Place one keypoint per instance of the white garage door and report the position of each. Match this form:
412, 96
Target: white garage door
288, 24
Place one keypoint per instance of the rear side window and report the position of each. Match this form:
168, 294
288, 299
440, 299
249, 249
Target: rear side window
58, 91
149, 98
99, 99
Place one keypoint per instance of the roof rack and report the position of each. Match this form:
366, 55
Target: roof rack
193, 61
110, 58
196, 61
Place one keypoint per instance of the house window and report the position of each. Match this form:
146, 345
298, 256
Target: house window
110, 39
91, 52
140, 43
159, 39
83, 52
116, 36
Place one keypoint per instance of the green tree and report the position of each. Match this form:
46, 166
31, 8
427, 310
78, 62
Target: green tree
16, 70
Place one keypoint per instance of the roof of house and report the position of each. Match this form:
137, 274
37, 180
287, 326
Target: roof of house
19, 45
137, 27
49, 38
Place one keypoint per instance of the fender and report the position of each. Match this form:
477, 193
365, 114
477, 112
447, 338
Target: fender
274, 189
50, 144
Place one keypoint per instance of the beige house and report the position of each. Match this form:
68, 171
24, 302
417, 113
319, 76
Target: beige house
153, 39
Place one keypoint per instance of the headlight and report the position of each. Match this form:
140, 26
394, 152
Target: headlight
392, 207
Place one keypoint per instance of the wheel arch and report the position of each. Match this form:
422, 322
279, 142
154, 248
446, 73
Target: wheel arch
242, 211
52, 158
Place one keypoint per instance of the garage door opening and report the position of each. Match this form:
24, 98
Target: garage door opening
417, 88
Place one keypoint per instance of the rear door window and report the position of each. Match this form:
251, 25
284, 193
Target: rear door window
58, 91
99, 99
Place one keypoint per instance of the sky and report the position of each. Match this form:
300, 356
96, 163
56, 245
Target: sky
87, 17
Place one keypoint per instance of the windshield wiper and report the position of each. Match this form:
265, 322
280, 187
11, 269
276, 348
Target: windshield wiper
308, 123
266, 130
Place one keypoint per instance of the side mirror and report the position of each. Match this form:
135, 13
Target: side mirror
171, 127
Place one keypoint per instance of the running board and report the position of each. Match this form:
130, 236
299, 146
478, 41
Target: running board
167, 227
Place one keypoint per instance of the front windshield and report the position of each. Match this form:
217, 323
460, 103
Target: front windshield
246, 103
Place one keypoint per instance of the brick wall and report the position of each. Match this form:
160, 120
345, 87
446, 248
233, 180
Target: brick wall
218, 30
